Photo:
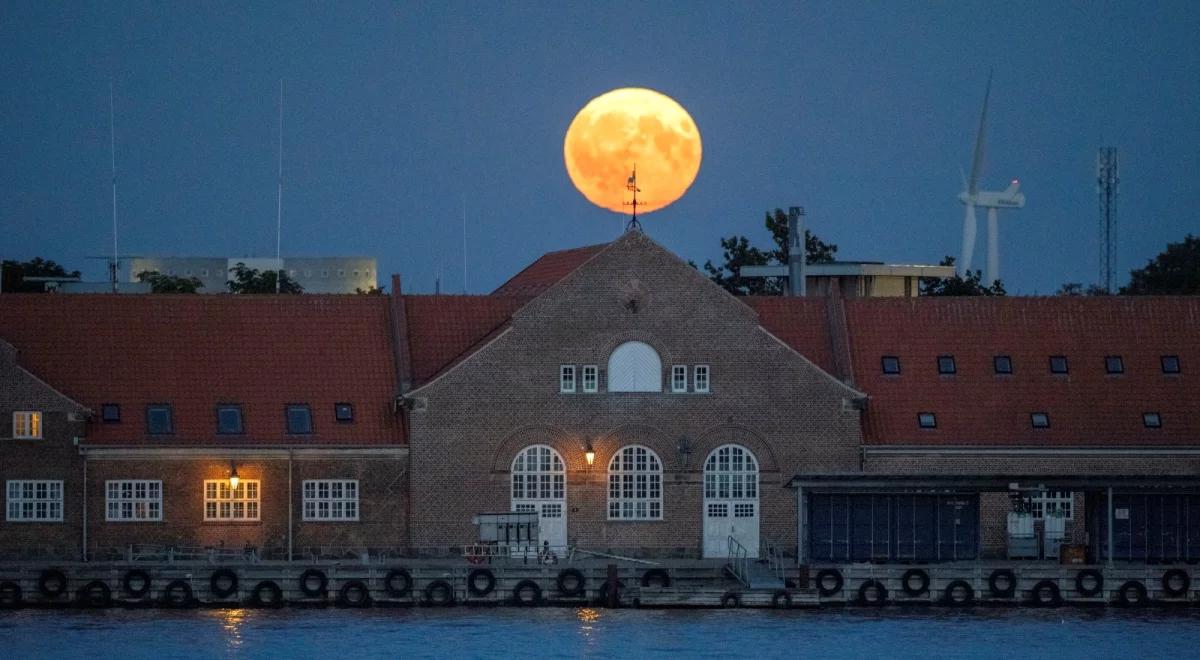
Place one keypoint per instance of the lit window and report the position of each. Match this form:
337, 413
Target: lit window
343, 412
679, 378
927, 420
700, 378
1113, 364
110, 413
299, 419
330, 499
1039, 420
30, 500
635, 485
229, 419
591, 379
1052, 503
890, 364
566, 378
1058, 364
1002, 364
158, 419
133, 499
634, 367
221, 502
946, 364
1170, 364
1152, 420
27, 424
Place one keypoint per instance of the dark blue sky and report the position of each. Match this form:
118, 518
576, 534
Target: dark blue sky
396, 113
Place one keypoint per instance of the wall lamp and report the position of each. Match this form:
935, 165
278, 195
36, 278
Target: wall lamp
233, 476
589, 454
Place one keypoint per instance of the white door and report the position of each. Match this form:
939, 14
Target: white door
730, 500
539, 484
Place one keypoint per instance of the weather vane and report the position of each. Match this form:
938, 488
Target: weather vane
631, 186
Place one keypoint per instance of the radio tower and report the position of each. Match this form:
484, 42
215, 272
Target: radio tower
1108, 177
631, 186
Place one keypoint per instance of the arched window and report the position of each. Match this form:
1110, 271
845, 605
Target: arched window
634, 367
731, 473
537, 474
635, 485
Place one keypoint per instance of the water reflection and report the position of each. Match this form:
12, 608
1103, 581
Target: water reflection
232, 623
587, 616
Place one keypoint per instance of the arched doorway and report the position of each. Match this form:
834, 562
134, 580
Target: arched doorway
730, 500
539, 485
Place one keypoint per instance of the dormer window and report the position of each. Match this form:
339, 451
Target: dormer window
27, 425
229, 419
946, 366
566, 378
158, 419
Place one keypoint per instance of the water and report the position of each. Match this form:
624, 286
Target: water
596, 633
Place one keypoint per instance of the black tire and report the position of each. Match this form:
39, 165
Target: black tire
1089, 582
177, 593
570, 582
266, 594
922, 582
604, 592
958, 592
94, 594
1046, 594
1176, 582
307, 586
1002, 583
781, 599
439, 592
223, 583
824, 587
658, 576
731, 599
527, 587
136, 583
489, 582
354, 593
10, 594
398, 583
1132, 594
872, 592
52, 583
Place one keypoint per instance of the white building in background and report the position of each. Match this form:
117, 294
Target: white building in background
315, 274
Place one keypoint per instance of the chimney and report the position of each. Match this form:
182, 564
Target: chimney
796, 252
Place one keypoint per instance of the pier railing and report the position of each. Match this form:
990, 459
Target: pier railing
739, 561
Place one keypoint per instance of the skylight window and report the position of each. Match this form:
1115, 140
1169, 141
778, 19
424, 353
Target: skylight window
1002, 364
158, 419
927, 420
1058, 364
110, 413
343, 412
890, 365
1039, 420
1152, 420
1170, 364
299, 419
1113, 364
946, 365
229, 419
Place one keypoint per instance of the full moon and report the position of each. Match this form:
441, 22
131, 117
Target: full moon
631, 127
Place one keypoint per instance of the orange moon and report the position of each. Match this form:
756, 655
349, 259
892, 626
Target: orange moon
626, 127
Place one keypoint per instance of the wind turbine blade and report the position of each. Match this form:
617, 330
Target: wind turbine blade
977, 161
968, 241
962, 177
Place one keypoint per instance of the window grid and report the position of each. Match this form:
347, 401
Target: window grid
700, 378
679, 378
635, 485
591, 378
1052, 503
221, 502
133, 500
330, 499
27, 425
731, 473
35, 500
566, 379
538, 473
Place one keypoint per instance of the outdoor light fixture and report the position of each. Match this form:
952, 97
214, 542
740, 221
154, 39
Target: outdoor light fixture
685, 450
589, 454
233, 476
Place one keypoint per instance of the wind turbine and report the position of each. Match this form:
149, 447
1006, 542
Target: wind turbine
971, 196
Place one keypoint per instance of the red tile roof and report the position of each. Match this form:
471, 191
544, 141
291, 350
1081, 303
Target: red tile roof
976, 406
546, 271
801, 323
194, 351
445, 329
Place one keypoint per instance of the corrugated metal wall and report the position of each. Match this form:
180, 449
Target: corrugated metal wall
893, 527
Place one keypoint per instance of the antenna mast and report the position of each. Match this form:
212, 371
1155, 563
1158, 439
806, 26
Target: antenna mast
112, 150
631, 186
464, 223
1108, 177
279, 197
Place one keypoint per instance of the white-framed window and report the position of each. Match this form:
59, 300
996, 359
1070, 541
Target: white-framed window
635, 485
566, 378
35, 500
679, 378
538, 473
1053, 503
330, 499
27, 424
133, 499
221, 502
591, 378
731, 473
634, 367
700, 378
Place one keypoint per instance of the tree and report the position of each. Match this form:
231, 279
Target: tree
251, 280
13, 274
160, 283
370, 291
971, 285
1077, 289
739, 253
1174, 272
